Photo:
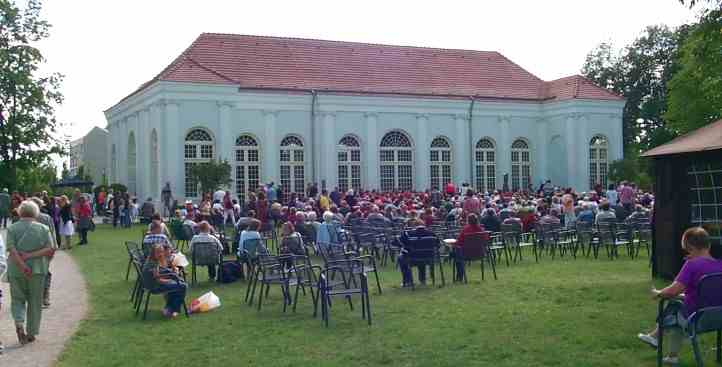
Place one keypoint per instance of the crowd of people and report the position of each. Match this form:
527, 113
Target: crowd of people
42, 223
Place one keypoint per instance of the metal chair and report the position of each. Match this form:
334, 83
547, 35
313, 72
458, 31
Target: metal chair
476, 248
352, 282
205, 254
707, 318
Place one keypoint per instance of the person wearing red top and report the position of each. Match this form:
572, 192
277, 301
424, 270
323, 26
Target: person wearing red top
474, 227
85, 217
450, 189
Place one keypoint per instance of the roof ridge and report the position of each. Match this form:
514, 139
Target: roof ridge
386, 45
211, 70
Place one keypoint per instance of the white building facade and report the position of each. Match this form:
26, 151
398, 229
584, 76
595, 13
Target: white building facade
91, 153
365, 140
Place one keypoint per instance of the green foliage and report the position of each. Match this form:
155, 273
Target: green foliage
116, 187
212, 175
27, 131
634, 169
82, 175
37, 178
640, 72
695, 95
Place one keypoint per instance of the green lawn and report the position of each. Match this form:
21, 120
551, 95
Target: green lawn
556, 313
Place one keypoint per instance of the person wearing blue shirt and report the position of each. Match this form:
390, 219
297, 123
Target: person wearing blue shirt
586, 215
250, 233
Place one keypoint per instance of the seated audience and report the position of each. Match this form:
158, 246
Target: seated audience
416, 239
204, 235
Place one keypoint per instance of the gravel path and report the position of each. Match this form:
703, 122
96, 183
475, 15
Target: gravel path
69, 306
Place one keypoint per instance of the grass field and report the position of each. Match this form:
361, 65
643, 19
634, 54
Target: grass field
556, 313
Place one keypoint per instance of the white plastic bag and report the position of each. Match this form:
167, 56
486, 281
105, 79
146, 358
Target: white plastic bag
205, 303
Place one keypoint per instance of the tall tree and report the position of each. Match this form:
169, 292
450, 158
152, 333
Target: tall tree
211, 175
640, 72
695, 91
27, 100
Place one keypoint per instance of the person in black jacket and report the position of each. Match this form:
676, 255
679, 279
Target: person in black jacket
418, 243
491, 221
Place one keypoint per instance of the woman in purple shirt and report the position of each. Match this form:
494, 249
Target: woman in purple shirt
695, 241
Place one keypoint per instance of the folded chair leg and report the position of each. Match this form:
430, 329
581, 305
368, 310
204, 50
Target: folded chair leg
493, 269
145, 311
697, 353
719, 346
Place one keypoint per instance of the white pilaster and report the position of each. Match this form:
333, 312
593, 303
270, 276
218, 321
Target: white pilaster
461, 151
582, 139
421, 174
504, 151
542, 173
372, 152
570, 133
156, 116
225, 140
329, 171
270, 150
174, 150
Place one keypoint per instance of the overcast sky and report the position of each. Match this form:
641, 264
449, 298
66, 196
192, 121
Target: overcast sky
106, 49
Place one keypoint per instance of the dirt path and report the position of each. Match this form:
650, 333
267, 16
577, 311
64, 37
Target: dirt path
69, 306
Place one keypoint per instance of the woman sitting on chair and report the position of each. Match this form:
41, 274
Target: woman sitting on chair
471, 227
695, 242
158, 268
291, 242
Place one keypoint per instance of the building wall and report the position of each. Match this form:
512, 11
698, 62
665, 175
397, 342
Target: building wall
558, 133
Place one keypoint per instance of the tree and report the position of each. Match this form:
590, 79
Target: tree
27, 100
211, 175
640, 72
37, 178
695, 91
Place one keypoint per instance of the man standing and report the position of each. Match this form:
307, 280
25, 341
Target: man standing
4, 208
626, 196
167, 198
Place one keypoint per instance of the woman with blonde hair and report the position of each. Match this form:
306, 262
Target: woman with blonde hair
67, 226
29, 244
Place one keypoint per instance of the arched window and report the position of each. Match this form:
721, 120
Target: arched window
131, 163
485, 165
154, 164
598, 161
248, 165
441, 162
113, 165
520, 165
198, 148
397, 161
293, 178
349, 164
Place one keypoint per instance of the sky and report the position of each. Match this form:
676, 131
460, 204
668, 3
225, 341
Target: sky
106, 49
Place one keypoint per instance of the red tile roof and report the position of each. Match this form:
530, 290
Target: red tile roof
307, 64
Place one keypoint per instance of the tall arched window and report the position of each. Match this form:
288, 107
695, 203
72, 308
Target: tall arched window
598, 161
397, 161
293, 178
154, 164
485, 165
131, 163
198, 148
113, 165
349, 164
520, 165
248, 165
441, 162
